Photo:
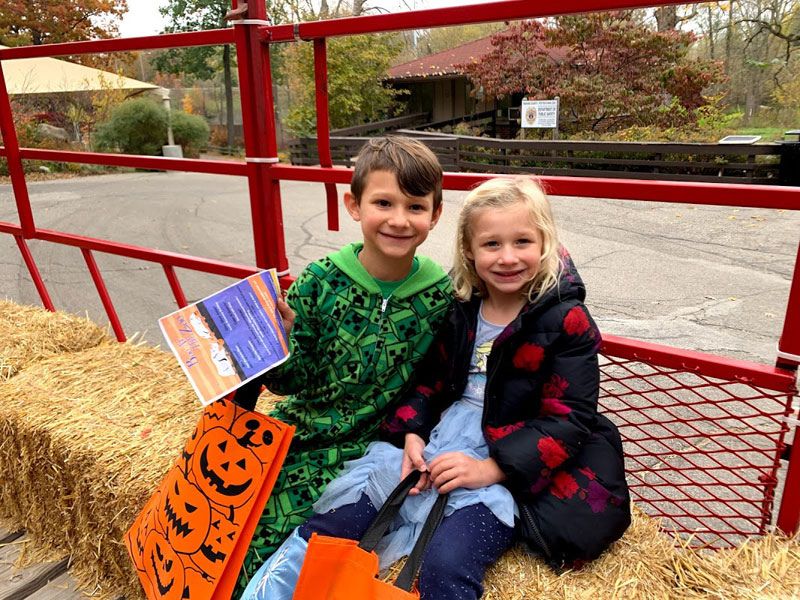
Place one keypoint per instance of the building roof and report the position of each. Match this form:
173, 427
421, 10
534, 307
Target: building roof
442, 63
44, 75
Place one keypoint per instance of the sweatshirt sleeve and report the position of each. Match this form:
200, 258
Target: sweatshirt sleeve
531, 452
292, 376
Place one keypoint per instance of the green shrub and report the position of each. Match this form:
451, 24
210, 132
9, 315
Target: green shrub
137, 126
191, 132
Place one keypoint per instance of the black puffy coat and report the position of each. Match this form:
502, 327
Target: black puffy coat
563, 460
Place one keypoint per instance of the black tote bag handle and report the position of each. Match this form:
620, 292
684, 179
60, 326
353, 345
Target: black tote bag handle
387, 514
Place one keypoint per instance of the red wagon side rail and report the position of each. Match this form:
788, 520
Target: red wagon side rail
705, 436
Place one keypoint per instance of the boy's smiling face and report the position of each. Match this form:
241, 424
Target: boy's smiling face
392, 223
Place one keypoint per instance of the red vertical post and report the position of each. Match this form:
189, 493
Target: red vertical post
14, 159
789, 342
261, 146
175, 286
324, 127
789, 512
105, 298
34, 271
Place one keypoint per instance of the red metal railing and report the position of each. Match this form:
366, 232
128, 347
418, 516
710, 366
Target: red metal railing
703, 434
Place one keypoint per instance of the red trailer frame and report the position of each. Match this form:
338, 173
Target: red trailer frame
704, 434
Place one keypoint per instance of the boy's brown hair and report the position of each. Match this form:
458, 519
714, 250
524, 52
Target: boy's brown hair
417, 169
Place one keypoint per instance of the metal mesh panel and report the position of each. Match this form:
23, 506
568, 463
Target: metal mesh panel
702, 454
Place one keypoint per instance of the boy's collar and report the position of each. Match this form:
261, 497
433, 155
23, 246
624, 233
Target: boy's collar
426, 275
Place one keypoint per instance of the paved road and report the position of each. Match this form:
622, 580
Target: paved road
714, 279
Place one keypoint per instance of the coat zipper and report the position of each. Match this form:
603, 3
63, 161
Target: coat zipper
379, 341
536, 533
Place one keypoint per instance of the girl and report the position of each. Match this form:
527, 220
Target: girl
504, 418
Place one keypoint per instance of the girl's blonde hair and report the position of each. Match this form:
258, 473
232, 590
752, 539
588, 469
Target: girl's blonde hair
498, 194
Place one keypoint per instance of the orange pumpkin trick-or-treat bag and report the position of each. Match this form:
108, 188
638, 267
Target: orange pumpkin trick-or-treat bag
190, 539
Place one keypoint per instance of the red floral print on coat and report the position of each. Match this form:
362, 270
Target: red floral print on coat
555, 387
497, 433
406, 413
598, 497
424, 390
554, 406
551, 451
588, 473
564, 486
576, 322
528, 357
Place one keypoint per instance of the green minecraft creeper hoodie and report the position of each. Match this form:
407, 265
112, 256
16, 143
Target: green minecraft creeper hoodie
353, 353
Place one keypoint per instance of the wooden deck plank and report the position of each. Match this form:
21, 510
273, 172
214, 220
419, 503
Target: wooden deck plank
16, 584
61, 588
9, 536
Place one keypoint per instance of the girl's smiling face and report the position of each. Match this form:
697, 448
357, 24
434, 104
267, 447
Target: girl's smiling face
506, 247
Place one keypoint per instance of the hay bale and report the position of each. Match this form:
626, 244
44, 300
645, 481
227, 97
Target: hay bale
85, 438
646, 564
30, 333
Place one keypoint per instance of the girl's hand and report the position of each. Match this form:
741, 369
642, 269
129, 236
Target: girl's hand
413, 460
287, 315
454, 470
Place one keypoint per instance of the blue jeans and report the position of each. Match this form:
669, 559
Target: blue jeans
465, 544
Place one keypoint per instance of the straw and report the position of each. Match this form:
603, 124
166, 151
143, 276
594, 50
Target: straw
87, 435
85, 439
29, 333
648, 564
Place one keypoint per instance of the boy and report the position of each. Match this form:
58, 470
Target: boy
366, 315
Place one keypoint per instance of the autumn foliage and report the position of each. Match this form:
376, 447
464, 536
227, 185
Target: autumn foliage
24, 22
609, 71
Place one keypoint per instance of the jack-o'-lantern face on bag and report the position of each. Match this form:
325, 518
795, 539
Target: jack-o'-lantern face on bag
219, 414
217, 545
224, 470
144, 524
197, 585
256, 435
184, 542
185, 513
163, 567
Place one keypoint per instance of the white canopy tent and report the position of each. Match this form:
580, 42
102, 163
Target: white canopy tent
51, 75
44, 75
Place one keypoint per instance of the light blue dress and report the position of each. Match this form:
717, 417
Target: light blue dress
377, 473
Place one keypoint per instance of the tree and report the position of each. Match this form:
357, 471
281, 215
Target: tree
25, 22
608, 70
356, 65
138, 126
202, 61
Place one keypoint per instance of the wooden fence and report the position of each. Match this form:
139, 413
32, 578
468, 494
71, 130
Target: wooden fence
729, 163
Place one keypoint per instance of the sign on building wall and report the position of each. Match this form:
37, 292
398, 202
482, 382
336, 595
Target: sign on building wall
540, 114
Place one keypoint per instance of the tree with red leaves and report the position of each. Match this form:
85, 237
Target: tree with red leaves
24, 22
609, 71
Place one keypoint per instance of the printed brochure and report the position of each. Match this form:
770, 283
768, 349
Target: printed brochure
230, 337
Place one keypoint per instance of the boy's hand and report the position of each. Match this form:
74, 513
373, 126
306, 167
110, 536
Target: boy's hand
453, 470
287, 315
414, 461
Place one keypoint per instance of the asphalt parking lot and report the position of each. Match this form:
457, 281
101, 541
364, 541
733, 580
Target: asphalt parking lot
713, 279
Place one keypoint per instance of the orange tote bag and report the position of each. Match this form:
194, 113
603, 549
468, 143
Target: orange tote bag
190, 539
341, 569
